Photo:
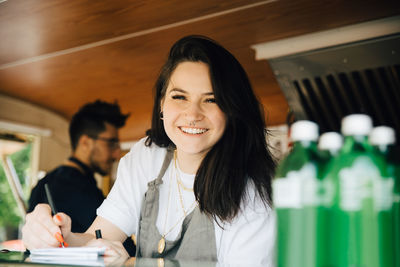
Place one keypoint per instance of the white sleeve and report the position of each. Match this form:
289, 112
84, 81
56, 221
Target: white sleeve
123, 203
249, 240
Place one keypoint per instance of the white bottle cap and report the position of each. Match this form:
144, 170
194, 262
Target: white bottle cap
331, 141
382, 135
356, 124
304, 131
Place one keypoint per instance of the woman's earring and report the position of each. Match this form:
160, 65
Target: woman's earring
161, 115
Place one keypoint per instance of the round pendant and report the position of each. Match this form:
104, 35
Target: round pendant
161, 245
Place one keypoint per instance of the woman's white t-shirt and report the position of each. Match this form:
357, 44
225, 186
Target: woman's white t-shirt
248, 239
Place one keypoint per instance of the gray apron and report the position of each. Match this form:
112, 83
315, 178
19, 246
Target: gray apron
196, 240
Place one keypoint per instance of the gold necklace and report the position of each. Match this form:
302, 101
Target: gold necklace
179, 190
178, 179
183, 186
161, 243
183, 207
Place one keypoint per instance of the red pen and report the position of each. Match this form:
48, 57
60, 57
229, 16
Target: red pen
58, 236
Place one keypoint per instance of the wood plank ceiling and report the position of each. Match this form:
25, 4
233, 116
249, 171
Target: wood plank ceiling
60, 54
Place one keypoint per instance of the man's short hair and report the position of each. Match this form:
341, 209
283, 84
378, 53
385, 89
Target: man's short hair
91, 118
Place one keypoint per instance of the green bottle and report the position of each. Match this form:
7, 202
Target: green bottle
295, 179
383, 138
329, 145
354, 220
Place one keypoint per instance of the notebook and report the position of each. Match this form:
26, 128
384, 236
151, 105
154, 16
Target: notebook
87, 256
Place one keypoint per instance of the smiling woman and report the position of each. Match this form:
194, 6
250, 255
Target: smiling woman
192, 119
199, 186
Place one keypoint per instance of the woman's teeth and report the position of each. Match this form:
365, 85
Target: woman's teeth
193, 130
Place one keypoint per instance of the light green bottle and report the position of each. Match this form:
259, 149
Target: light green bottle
354, 220
383, 138
295, 179
329, 145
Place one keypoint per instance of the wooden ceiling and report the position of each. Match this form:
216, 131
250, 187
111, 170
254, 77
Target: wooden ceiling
60, 54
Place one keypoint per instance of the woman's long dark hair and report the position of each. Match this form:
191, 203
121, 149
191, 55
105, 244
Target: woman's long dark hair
242, 153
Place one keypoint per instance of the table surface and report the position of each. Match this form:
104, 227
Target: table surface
18, 259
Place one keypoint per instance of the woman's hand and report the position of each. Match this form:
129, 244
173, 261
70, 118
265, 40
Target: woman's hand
114, 249
41, 230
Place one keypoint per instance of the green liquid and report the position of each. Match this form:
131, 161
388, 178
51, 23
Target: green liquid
362, 217
290, 236
297, 230
396, 233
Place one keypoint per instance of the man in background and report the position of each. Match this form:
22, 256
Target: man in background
95, 147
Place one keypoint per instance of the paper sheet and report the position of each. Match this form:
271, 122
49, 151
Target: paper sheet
88, 256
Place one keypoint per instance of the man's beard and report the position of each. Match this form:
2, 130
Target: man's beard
97, 169
95, 166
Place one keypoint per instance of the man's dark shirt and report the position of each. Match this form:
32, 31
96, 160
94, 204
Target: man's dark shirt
73, 192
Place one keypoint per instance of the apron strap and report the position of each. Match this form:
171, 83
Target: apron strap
167, 160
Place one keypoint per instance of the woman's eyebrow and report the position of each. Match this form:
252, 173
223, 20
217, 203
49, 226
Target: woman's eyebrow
185, 92
178, 90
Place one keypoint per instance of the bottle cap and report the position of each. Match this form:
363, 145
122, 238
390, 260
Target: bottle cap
382, 135
356, 124
331, 141
304, 131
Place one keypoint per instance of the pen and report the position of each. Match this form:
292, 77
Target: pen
53, 209
98, 234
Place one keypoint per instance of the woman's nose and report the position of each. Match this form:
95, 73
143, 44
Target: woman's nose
194, 111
